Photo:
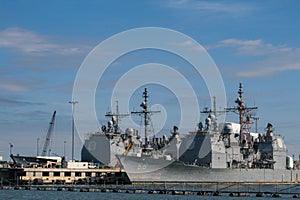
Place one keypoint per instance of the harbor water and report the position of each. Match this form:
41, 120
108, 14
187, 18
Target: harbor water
286, 192
45, 195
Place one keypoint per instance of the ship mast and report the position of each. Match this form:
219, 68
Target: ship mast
116, 116
215, 112
244, 117
215, 107
145, 113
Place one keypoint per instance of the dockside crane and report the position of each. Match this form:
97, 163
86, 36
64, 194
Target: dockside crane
48, 136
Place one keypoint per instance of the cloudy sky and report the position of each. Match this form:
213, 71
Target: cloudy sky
42, 46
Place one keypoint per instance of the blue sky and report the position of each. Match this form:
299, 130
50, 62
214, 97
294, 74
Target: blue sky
42, 45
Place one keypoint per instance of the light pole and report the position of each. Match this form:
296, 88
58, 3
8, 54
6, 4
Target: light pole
73, 110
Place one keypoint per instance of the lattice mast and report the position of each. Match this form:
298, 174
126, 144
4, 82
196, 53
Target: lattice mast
244, 115
145, 113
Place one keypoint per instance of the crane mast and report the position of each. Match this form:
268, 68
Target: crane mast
48, 136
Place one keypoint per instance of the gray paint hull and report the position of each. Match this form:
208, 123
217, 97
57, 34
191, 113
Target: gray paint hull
179, 172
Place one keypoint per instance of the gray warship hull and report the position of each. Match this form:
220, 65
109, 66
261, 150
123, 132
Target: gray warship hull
100, 148
178, 172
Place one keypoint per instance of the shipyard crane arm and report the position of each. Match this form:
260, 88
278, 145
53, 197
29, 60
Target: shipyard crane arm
48, 136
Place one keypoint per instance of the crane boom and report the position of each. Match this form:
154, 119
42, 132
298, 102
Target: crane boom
49, 133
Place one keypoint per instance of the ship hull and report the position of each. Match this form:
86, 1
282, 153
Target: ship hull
177, 172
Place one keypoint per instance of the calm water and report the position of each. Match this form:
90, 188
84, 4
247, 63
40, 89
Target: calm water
25, 194
33, 194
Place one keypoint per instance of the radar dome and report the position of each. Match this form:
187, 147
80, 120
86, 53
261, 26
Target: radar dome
227, 129
129, 131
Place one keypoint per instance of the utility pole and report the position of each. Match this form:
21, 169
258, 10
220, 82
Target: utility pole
73, 110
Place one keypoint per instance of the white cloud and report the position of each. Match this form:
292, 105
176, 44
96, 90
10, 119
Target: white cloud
11, 87
251, 47
29, 42
267, 59
189, 44
12, 83
235, 42
210, 6
268, 70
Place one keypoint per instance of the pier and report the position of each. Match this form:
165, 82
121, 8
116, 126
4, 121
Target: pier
8, 175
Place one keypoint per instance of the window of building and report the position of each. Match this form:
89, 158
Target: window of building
77, 173
56, 173
88, 174
67, 173
45, 173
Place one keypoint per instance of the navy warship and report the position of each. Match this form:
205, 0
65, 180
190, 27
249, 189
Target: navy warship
214, 153
102, 146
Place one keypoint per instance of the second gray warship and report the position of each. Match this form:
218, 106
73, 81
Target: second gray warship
232, 155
